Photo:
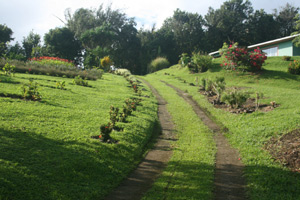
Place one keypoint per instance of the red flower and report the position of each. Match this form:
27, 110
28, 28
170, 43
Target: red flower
100, 136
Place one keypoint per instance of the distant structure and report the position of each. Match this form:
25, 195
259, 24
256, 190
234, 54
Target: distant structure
279, 47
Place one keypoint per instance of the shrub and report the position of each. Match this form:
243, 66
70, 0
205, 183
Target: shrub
235, 98
106, 63
239, 58
60, 85
31, 91
184, 59
54, 61
294, 67
123, 72
9, 69
158, 64
79, 81
105, 130
286, 58
200, 62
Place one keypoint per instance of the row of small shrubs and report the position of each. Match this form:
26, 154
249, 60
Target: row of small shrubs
294, 67
52, 70
199, 62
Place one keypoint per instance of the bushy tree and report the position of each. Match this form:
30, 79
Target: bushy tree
5, 37
31, 41
61, 42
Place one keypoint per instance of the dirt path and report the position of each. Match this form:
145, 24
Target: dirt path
142, 178
229, 182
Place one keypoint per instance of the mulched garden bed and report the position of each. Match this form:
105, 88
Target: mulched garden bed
286, 149
248, 107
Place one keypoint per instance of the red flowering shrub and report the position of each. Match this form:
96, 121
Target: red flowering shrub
294, 67
240, 58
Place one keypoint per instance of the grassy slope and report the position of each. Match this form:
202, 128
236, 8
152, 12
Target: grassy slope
46, 147
189, 174
249, 132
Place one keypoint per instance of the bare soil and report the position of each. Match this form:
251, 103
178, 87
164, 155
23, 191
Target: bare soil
229, 183
142, 178
286, 149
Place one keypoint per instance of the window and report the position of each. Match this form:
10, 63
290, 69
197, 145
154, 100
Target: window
273, 51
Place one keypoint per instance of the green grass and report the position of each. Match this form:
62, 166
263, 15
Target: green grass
46, 147
248, 133
190, 171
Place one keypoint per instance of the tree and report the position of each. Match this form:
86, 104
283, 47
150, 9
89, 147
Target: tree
286, 19
187, 29
5, 36
228, 23
31, 41
15, 52
262, 27
296, 41
62, 43
106, 31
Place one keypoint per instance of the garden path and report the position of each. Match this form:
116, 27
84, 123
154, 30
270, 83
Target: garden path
229, 183
142, 178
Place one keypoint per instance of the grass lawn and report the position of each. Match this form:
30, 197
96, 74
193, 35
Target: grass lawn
266, 179
190, 171
46, 147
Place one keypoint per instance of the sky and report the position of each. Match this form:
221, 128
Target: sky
39, 16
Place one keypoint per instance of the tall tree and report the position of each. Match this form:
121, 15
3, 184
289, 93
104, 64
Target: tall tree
228, 23
262, 27
5, 36
61, 42
286, 19
31, 41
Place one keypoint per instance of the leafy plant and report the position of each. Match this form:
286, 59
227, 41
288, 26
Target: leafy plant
200, 62
235, 98
157, 64
105, 131
184, 59
114, 115
9, 69
286, 58
79, 81
31, 91
60, 85
106, 62
257, 99
218, 87
294, 67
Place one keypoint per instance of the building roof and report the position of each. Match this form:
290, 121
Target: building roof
271, 42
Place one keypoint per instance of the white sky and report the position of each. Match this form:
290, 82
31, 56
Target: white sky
22, 16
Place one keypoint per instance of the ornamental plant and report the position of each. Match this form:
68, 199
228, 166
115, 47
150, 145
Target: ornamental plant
235, 98
294, 67
105, 131
200, 62
79, 81
9, 69
52, 61
240, 58
60, 85
106, 62
31, 91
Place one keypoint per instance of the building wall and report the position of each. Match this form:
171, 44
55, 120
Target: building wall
285, 49
296, 51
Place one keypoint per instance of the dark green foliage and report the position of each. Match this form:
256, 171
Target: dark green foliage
5, 36
30, 42
62, 43
200, 62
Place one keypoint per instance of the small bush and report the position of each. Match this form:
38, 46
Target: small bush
79, 81
286, 58
294, 67
235, 98
200, 62
158, 64
184, 59
105, 130
60, 85
31, 91
9, 69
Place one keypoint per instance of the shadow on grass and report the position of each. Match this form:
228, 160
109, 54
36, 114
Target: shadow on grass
272, 74
8, 79
273, 183
36, 167
215, 68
